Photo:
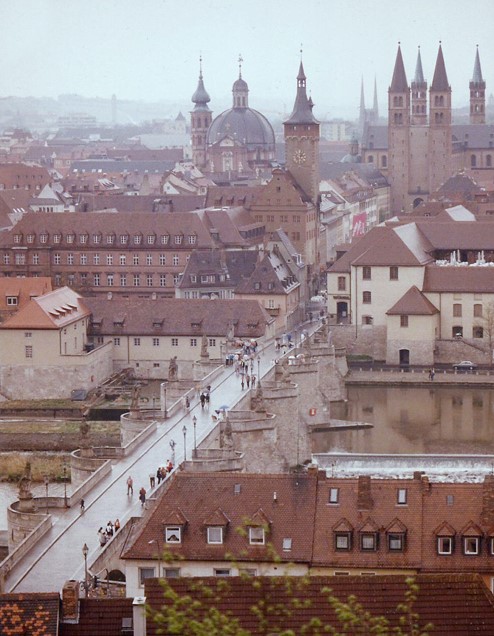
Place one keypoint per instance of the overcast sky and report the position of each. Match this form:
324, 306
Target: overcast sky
149, 49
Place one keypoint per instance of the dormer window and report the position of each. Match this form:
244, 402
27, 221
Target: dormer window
215, 535
151, 238
368, 541
57, 238
256, 535
178, 239
445, 545
96, 239
192, 239
334, 495
110, 239
43, 238
342, 541
396, 541
401, 496
124, 239
471, 545
12, 301
30, 238
257, 285
165, 239
69, 238
173, 534
83, 239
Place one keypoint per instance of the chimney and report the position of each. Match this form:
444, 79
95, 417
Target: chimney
487, 514
70, 602
364, 497
139, 615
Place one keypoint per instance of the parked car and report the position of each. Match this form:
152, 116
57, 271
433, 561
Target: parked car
465, 365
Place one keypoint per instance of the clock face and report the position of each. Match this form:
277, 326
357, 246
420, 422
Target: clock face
299, 156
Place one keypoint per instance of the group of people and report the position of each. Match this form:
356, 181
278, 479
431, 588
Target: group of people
162, 473
105, 534
205, 396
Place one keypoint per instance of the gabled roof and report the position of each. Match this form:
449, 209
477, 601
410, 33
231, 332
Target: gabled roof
233, 264
24, 289
241, 498
271, 276
53, 310
36, 614
467, 235
458, 279
98, 616
413, 303
456, 604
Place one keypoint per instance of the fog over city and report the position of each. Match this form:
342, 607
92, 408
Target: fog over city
149, 50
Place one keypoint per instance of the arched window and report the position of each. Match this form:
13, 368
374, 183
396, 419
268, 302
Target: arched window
384, 161
473, 161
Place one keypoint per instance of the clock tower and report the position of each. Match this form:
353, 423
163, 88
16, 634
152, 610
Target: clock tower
302, 141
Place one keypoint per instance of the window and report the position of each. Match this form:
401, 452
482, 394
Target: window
401, 496
70, 258
222, 572
165, 239
137, 342
83, 239
156, 342
30, 238
457, 331
116, 342
20, 259
173, 534
175, 259
123, 280
44, 238
215, 535
393, 273
137, 239
342, 541
110, 239
151, 239
149, 280
367, 320
172, 573
212, 342
96, 280
366, 297
136, 280
193, 342
192, 239
110, 280
135, 259
35, 259
368, 541
17, 238
12, 301
334, 495
174, 342
178, 239
6, 259
457, 310
366, 273
123, 259
56, 259
256, 535
341, 283
477, 311
28, 350
96, 239
471, 545
28, 334
445, 545
403, 321
109, 259
83, 259
287, 544
57, 238
124, 239
162, 259
149, 259
145, 573
396, 541
162, 280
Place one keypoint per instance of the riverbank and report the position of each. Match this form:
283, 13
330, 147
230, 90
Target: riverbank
419, 378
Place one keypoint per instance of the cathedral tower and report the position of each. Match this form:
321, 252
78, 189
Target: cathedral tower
200, 121
301, 132
419, 95
440, 137
398, 136
477, 94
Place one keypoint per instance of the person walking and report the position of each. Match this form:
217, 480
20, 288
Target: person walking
253, 379
102, 536
130, 486
247, 379
142, 496
83, 506
116, 525
242, 382
152, 480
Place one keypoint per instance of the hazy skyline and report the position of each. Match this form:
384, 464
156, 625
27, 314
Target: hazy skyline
150, 49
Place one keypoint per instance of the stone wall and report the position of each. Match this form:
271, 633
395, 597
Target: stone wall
421, 353
450, 351
367, 340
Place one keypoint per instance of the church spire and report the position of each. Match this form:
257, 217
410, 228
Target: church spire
477, 71
440, 79
419, 95
375, 105
302, 109
240, 88
419, 73
201, 97
477, 93
399, 82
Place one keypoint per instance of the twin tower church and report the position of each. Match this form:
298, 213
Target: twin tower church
417, 150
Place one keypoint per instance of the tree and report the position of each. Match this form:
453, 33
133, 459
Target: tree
487, 324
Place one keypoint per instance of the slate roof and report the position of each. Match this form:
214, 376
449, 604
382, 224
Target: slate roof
36, 614
472, 136
53, 310
413, 303
88, 202
98, 166
177, 317
234, 264
100, 617
457, 605
459, 279
271, 276
440, 79
289, 514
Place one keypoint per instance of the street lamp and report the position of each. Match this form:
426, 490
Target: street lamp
259, 369
163, 399
159, 553
85, 551
65, 484
194, 423
47, 481
184, 431
172, 446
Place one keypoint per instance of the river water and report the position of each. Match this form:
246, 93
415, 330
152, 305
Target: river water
413, 420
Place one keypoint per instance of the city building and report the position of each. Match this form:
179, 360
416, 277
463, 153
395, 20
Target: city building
421, 147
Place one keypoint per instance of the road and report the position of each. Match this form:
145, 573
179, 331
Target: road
58, 555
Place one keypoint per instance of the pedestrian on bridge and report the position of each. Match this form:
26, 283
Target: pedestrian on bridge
130, 486
142, 496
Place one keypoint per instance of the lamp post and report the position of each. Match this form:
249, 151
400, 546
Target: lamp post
163, 399
184, 431
194, 424
85, 551
47, 481
259, 369
65, 484
172, 446
155, 541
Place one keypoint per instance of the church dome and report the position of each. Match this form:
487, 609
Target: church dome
246, 125
240, 85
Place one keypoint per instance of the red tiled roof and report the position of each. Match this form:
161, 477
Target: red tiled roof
413, 303
99, 617
459, 279
36, 614
457, 605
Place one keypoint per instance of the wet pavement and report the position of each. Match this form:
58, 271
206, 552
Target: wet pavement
58, 555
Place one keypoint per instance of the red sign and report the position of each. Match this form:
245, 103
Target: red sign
359, 224
312, 411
